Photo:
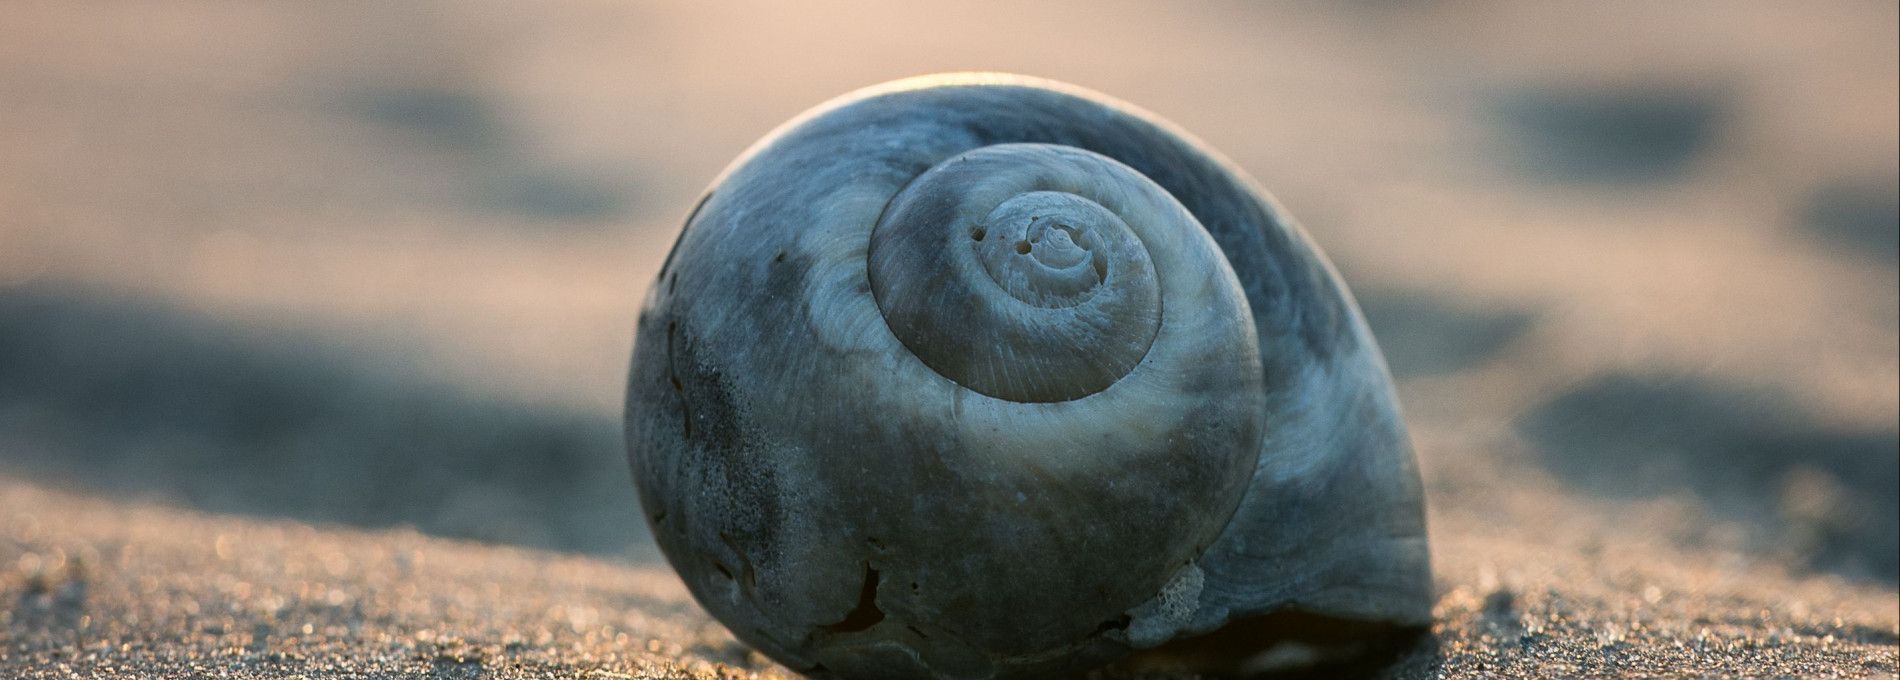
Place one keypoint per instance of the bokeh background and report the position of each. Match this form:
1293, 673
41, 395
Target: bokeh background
377, 264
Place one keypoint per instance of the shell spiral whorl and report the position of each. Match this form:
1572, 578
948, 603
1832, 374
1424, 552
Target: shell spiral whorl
991, 377
1014, 269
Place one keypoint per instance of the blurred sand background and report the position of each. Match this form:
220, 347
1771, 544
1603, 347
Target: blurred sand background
314, 317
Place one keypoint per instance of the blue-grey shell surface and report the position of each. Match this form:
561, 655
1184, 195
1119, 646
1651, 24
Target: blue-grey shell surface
850, 511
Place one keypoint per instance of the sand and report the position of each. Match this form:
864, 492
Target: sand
95, 588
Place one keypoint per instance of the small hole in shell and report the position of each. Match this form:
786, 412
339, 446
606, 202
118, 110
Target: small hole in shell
1022, 247
866, 613
978, 233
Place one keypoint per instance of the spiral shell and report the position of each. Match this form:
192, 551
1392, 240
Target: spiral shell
984, 376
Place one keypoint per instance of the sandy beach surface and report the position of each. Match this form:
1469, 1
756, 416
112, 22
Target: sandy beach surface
99, 588
314, 318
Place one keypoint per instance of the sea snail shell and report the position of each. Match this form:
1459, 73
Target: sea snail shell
984, 376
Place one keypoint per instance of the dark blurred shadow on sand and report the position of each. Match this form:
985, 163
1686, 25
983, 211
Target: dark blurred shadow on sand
1427, 334
502, 179
1823, 496
1858, 217
138, 399
1618, 135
